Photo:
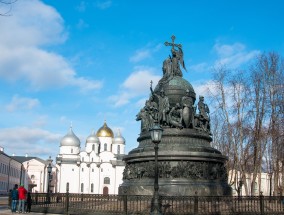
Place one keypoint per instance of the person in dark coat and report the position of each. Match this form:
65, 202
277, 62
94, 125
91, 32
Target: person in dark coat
29, 202
14, 198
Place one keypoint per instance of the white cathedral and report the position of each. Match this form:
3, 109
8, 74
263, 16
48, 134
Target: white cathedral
98, 169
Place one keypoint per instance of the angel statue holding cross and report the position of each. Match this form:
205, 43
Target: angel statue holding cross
175, 60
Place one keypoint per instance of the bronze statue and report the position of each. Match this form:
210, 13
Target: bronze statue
204, 119
175, 116
188, 109
163, 105
177, 58
144, 117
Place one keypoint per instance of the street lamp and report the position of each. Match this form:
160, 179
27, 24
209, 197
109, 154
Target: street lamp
240, 188
156, 136
49, 170
270, 183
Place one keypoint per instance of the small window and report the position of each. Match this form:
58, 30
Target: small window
32, 176
102, 169
73, 170
71, 150
82, 159
82, 187
92, 188
118, 149
106, 180
92, 159
93, 147
105, 147
82, 169
92, 170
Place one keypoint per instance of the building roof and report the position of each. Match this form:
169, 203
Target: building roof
23, 159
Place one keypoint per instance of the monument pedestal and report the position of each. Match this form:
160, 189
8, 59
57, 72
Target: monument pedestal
186, 162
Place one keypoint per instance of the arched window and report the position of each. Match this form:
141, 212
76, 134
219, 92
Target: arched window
92, 159
82, 187
93, 147
67, 186
118, 149
99, 149
82, 159
92, 188
71, 150
105, 147
106, 180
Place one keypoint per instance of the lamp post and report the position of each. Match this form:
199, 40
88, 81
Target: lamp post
49, 170
270, 184
240, 188
156, 135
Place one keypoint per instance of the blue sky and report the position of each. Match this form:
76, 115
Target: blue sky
89, 61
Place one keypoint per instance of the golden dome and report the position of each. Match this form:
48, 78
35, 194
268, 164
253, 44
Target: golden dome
105, 131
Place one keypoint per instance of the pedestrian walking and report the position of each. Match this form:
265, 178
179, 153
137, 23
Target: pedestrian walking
14, 198
22, 199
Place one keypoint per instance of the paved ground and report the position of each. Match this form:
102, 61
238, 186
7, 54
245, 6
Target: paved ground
4, 210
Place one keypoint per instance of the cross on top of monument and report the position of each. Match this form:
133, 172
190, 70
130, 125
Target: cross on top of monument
173, 43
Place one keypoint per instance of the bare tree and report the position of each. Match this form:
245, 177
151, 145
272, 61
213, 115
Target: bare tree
273, 67
247, 121
230, 96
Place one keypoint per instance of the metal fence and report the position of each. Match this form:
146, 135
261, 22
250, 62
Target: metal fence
69, 203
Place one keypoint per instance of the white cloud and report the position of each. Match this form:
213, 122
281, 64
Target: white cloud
34, 141
82, 24
144, 53
136, 85
202, 88
40, 121
32, 26
104, 4
140, 55
233, 55
22, 103
201, 67
81, 7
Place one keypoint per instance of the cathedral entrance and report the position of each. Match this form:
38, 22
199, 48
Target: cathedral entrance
105, 191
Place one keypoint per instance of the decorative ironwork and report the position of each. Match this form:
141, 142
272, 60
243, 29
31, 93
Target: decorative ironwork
171, 205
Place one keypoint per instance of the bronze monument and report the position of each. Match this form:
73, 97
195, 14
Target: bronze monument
186, 161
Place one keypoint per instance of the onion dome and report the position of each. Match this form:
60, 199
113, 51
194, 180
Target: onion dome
119, 139
92, 138
70, 139
105, 131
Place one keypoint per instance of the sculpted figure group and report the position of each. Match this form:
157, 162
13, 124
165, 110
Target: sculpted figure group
183, 169
181, 115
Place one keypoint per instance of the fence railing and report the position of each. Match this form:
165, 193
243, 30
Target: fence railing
70, 203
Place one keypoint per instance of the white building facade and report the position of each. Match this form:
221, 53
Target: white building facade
11, 172
96, 170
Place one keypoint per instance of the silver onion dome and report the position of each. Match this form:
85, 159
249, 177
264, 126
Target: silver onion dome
70, 139
119, 139
92, 138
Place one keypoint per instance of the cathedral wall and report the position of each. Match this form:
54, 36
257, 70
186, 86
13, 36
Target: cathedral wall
69, 173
